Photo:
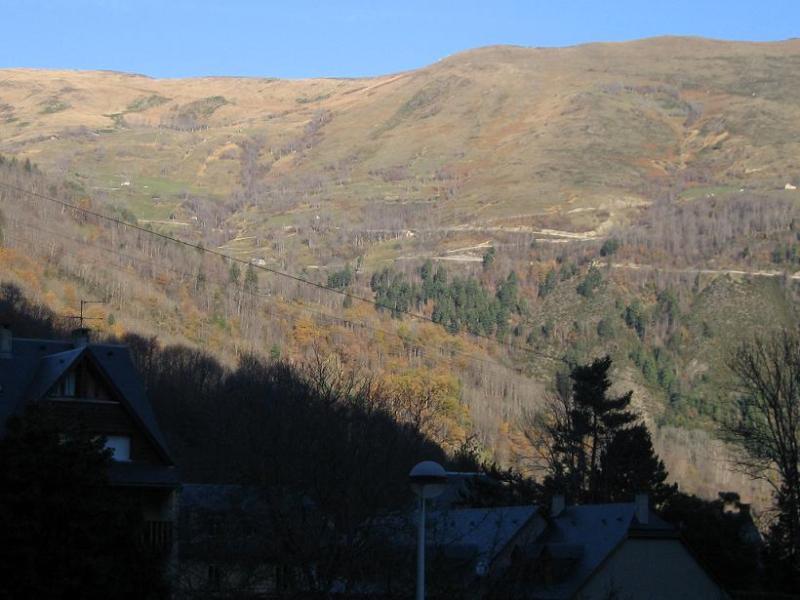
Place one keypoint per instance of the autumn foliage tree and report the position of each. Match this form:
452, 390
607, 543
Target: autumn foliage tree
429, 401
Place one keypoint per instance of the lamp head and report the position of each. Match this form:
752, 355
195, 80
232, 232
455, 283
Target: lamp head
428, 479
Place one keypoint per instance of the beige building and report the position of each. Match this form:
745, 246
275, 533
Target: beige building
604, 551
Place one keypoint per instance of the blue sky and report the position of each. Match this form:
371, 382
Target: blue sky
306, 38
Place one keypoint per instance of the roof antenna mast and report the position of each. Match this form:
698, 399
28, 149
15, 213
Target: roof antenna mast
82, 318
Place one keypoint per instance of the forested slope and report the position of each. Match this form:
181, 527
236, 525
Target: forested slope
480, 355
532, 207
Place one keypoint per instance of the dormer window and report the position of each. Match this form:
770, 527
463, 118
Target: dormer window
67, 385
81, 382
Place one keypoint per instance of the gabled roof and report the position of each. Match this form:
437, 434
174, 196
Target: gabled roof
36, 365
115, 362
584, 536
476, 536
482, 532
51, 368
17, 373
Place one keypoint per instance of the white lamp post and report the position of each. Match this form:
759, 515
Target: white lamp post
428, 479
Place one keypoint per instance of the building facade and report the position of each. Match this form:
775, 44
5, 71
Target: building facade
97, 388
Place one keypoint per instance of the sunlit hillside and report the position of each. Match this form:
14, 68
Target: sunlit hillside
638, 199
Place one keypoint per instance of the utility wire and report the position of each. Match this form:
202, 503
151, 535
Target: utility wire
258, 294
296, 278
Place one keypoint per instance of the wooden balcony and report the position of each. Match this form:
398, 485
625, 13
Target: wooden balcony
158, 535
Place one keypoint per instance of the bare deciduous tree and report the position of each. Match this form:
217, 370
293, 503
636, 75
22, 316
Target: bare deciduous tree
767, 428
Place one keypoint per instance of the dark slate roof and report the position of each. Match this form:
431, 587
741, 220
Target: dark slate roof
51, 368
478, 535
17, 373
586, 535
115, 361
486, 530
36, 365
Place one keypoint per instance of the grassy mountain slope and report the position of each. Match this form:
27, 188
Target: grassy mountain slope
483, 135
679, 148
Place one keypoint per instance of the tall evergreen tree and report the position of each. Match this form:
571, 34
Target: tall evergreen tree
629, 465
592, 444
596, 418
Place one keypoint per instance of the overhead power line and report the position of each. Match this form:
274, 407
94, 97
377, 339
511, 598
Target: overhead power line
277, 272
261, 294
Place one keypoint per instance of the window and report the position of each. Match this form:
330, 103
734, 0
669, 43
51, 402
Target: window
82, 383
120, 446
67, 385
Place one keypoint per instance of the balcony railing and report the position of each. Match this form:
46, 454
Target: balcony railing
158, 534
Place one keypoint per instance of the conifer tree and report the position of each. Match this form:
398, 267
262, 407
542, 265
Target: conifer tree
596, 418
593, 446
629, 466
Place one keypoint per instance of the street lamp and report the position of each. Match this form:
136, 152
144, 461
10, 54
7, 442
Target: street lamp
428, 480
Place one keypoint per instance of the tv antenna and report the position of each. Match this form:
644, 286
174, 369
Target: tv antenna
81, 318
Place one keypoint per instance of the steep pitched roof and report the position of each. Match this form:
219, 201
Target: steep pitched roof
17, 373
36, 365
480, 532
115, 362
51, 368
585, 536
476, 536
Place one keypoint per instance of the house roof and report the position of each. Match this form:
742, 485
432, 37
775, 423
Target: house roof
484, 532
50, 368
584, 536
36, 365
474, 535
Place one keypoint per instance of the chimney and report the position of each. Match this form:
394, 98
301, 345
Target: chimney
6, 339
557, 505
642, 508
80, 337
